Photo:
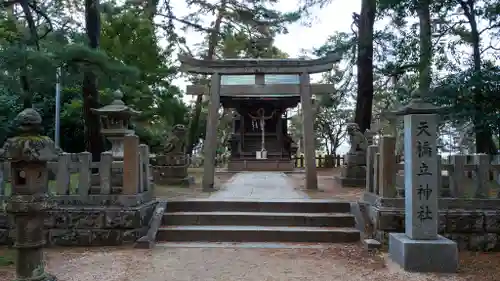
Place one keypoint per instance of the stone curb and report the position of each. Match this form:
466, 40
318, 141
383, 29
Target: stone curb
148, 241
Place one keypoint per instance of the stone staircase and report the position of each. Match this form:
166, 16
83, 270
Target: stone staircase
205, 220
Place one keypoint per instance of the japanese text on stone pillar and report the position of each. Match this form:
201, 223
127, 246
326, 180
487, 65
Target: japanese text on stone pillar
424, 154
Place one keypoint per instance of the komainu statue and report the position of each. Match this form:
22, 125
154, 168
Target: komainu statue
176, 142
170, 166
358, 140
353, 173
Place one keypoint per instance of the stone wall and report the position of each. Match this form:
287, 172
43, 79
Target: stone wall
474, 230
4, 229
90, 225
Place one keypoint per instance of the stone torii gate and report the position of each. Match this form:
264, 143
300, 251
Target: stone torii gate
259, 68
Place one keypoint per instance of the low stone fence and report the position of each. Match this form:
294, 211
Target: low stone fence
104, 203
469, 202
326, 161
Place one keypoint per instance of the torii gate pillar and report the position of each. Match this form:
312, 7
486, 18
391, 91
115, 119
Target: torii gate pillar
210, 144
308, 131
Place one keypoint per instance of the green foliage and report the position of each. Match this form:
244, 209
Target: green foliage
456, 93
130, 59
465, 83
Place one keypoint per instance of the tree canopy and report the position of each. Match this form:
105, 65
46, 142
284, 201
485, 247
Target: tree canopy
447, 48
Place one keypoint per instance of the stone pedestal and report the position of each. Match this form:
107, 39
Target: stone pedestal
171, 170
436, 255
354, 173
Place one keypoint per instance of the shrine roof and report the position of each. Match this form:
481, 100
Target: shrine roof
252, 66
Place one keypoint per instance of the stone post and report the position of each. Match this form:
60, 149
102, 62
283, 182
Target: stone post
370, 171
145, 168
387, 179
131, 161
457, 176
376, 173
210, 145
28, 154
279, 131
420, 248
308, 131
242, 132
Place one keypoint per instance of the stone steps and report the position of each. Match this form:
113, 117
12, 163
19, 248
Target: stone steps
267, 206
224, 233
260, 218
246, 245
205, 220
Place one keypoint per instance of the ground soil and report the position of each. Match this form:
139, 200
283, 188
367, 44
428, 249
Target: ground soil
328, 188
194, 190
336, 262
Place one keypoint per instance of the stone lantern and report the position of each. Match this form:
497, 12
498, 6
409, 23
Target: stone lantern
28, 154
115, 123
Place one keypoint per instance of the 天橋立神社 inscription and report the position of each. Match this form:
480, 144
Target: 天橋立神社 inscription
422, 172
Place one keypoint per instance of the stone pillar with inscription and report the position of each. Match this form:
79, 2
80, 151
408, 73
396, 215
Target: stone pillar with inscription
28, 154
421, 248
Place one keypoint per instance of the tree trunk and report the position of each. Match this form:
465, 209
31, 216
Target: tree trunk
424, 67
27, 95
151, 7
93, 138
212, 45
484, 135
364, 99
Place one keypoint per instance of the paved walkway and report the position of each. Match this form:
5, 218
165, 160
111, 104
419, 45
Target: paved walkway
259, 185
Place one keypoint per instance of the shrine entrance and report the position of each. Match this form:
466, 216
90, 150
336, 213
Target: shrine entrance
260, 91
260, 139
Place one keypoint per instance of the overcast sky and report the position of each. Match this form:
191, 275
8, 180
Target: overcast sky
335, 17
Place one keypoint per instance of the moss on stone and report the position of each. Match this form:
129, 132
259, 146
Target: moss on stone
7, 257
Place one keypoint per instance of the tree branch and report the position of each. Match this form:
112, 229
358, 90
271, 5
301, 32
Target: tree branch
490, 47
7, 4
497, 25
43, 15
196, 26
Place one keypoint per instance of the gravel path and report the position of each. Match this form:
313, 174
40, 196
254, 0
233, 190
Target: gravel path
338, 262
